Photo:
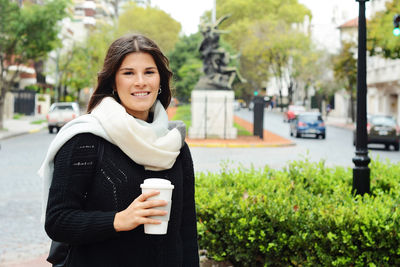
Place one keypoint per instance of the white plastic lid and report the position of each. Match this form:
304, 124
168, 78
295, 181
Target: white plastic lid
157, 183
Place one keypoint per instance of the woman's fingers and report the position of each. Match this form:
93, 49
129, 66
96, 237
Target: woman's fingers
149, 221
148, 204
140, 212
146, 195
153, 212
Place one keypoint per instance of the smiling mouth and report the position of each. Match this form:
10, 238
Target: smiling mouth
140, 93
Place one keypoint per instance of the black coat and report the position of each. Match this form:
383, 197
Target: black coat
86, 193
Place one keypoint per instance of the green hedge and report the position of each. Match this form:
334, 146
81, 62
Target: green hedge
302, 215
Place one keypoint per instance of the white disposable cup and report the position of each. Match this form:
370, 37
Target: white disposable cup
165, 188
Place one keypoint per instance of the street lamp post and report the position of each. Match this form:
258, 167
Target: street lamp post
361, 171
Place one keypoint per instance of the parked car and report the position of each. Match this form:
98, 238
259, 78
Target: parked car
292, 112
382, 129
308, 123
60, 113
251, 105
236, 105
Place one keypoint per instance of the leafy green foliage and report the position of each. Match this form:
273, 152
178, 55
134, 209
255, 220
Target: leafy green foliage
345, 71
282, 49
267, 36
186, 65
30, 32
302, 215
152, 22
26, 34
183, 113
39, 34
245, 13
80, 72
380, 32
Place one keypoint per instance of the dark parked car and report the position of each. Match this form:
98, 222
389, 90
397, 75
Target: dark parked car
382, 129
308, 123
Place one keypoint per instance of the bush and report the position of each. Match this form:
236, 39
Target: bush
303, 215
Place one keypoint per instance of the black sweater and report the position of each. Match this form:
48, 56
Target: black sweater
86, 193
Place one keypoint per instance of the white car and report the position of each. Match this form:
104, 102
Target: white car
61, 113
236, 105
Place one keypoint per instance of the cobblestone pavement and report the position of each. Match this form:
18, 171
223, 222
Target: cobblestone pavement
21, 241
22, 236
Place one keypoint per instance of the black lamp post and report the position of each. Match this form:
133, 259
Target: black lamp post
361, 171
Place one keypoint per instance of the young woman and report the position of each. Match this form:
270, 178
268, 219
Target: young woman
95, 165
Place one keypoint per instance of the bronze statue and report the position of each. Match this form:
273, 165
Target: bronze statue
218, 75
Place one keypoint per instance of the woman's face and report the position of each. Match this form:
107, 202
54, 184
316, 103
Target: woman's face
137, 82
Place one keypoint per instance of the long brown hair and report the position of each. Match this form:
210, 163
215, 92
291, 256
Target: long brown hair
116, 53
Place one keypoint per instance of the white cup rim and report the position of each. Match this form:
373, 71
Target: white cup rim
158, 183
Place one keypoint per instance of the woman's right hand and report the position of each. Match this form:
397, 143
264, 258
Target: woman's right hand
138, 211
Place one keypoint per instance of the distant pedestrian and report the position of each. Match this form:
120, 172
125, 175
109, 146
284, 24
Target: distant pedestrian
96, 163
328, 109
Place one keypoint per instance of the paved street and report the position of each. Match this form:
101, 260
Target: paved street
21, 234
336, 149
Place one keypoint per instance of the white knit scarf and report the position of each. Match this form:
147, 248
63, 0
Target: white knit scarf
149, 144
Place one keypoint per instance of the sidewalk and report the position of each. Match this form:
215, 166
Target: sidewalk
339, 122
23, 125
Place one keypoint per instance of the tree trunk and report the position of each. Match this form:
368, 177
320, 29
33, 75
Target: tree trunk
40, 77
59, 93
2, 100
65, 93
290, 92
78, 97
5, 87
305, 94
352, 111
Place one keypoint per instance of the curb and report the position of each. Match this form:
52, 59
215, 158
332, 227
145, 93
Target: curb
15, 134
222, 145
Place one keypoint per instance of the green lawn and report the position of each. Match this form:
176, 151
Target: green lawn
38, 121
183, 113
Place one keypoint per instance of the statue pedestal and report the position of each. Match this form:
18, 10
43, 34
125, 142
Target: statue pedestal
212, 114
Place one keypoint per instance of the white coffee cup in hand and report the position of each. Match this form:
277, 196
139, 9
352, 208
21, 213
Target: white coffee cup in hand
165, 188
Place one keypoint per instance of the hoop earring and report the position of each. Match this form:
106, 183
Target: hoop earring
113, 93
159, 90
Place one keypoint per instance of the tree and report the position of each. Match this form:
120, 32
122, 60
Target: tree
345, 70
312, 68
186, 65
78, 72
26, 35
381, 40
251, 28
152, 22
80, 64
246, 13
279, 46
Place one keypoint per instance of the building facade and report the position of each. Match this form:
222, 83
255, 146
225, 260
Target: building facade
383, 79
383, 75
